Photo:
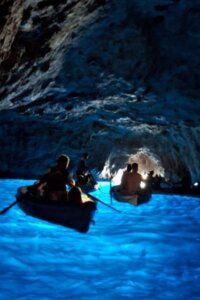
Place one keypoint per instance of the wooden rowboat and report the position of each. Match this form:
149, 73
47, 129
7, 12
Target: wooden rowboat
78, 217
135, 199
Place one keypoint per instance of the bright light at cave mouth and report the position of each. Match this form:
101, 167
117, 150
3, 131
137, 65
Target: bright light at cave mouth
144, 176
117, 178
146, 163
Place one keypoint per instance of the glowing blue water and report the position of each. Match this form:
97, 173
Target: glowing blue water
146, 252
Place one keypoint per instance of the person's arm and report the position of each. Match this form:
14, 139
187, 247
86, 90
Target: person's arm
42, 181
68, 180
44, 177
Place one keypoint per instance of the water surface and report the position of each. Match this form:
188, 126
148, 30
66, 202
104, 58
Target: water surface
147, 252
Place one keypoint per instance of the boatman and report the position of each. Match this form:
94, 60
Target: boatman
83, 173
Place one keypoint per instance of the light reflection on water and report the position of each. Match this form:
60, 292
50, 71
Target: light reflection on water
146, 252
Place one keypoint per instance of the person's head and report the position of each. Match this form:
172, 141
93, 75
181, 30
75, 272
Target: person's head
63, 161
85, 155
74, 195
151, 173
135, 167
129, 167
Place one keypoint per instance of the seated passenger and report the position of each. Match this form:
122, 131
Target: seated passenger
125, 178
131, 179
157, 182
133, 183
74, 195
150, 181
54, 182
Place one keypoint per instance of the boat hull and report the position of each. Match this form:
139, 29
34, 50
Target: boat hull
132, 199
77, 217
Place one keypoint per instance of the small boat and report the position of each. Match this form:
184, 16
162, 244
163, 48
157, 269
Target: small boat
135, 199
87, 182
77, 217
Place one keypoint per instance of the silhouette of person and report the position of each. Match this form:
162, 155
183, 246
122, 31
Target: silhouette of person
150, 181
74, 195
83, 173
54, 182
125, 178
131, 179
135, 180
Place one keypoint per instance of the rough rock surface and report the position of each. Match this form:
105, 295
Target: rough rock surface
114, 78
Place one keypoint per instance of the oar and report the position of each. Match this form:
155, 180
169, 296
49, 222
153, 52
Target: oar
111, 192
8, 207
97, 200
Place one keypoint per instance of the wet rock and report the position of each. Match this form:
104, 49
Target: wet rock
105, 76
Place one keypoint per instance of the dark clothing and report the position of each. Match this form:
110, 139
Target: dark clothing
55, 179
82, 168
150, 182
82, 172
157, 180
74, 196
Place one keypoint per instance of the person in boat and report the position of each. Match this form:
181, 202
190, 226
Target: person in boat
134, 182
74, 195
83, 173
150, 181
77, 197
131, 179
125, 178
157, 182
53, 183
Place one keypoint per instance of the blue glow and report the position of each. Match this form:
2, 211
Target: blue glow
147, 252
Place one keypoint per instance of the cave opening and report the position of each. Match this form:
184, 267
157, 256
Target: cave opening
146, 160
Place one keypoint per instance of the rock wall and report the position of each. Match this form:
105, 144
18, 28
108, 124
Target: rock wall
109, 77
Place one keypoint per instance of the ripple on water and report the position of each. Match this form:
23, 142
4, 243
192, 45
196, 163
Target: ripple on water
146, 252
